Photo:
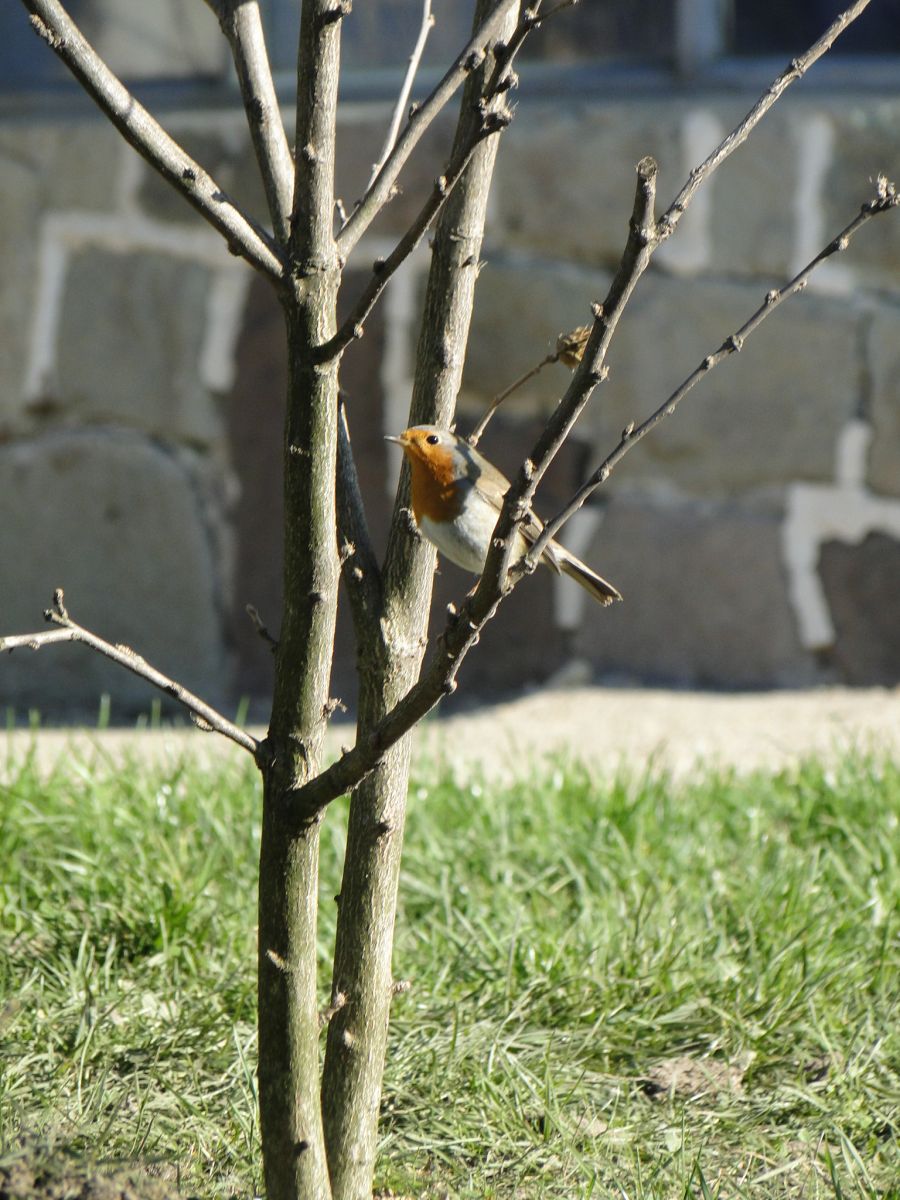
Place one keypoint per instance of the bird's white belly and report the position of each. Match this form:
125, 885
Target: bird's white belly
465, 540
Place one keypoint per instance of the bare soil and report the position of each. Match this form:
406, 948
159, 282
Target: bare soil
611, 727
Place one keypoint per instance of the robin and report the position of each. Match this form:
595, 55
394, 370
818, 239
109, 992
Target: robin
456, 500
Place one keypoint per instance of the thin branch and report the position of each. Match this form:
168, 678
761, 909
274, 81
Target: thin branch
260, 627
326, 1014
70, 631
492, 115
244, 237
34, 641
592, 369
475, 435
318, 68
795, 70
885, 199
464, 626
381, 190
384, 269
569, 350
359, 564
406, 87
242, 25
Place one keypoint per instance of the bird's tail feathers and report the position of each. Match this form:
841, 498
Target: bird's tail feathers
602, 591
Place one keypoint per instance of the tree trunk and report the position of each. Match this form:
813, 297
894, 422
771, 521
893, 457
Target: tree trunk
390, 658
294, 1160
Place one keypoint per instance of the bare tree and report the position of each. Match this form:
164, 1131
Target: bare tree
319, 1133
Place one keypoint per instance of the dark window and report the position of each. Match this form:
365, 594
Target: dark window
601, 29
383, 34
792, 28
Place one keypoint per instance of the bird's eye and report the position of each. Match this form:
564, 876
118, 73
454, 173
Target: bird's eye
432, 439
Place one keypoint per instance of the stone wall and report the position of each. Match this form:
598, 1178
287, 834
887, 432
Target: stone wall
755, 536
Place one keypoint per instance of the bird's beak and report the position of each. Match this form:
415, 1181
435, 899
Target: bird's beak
399, 440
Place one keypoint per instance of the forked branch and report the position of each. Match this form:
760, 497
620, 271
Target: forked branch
381, 188
242, 25
415, 59
492, 121
464, 626
569, 350
244, 237
205, 717
493, 115
884, 200
795, 70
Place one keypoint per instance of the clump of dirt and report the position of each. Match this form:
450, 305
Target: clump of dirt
36, 1173
687, 1078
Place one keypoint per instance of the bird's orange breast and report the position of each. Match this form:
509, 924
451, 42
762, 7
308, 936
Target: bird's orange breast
436, 492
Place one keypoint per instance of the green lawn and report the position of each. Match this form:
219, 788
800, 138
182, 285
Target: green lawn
620, 988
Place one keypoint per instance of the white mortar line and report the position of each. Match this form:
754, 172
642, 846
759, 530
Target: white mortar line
396, 375
816, 513
690, 249
51, 274
225, 305
128, 234
813, 137
569, 598
851, 454
124, 233
131, 176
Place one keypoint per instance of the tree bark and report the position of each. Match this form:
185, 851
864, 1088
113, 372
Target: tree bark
294, 1158
390, 657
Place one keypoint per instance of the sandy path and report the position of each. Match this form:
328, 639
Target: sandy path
608, 726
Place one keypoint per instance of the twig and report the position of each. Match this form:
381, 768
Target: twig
381, 189
257, 622
796, 69
492, 116
34, 641
326, 1014
464, 626
479, 429
352, 328
70, 631
359, 564
244, 237
885, 199
569, 350
242, 25
403, 99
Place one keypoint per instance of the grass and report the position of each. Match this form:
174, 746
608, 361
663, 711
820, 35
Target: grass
620, 988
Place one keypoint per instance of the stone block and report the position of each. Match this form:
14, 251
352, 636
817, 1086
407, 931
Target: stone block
884, 367
750, 199
130, 336
255, 417
565, 176
115, 520
705, 599
19, 254
73, 160
360, 136
862, 584
169, 39
520, 310
766, 416
46, 167
864, 146
225, 151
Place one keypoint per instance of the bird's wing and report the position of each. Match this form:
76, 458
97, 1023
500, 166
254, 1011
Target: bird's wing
495, 483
